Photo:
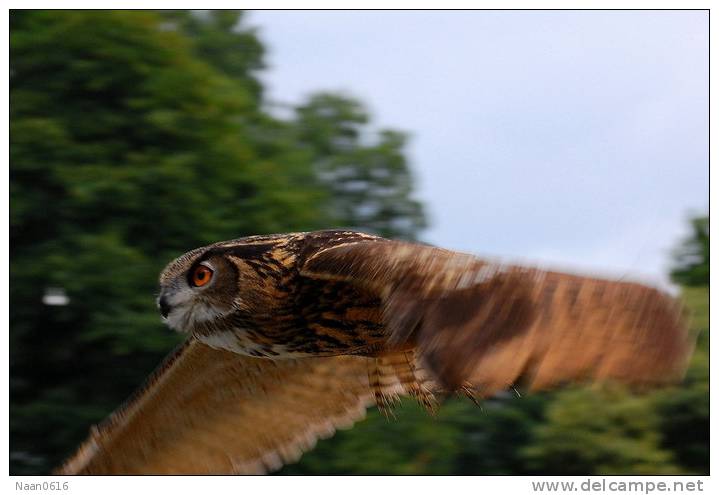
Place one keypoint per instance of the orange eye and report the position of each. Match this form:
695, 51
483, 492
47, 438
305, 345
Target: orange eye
201, 276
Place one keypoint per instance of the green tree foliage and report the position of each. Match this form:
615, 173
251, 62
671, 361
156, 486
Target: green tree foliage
367, 175
221, 38
135, 136
599, 431
462, 439
692, 257
684, 411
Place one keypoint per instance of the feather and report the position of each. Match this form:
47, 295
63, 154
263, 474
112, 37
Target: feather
493, 325
210, 411
378, 319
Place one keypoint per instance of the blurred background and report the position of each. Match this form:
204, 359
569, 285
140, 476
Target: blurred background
578, 139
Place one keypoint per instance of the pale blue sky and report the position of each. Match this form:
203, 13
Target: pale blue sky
578, 139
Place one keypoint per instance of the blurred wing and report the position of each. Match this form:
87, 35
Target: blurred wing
494, 325
213, 411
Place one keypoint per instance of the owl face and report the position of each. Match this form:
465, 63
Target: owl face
197, 287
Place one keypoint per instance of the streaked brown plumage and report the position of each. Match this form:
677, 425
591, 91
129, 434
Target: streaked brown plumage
293, 336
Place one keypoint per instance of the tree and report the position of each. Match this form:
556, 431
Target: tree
368, 177
222, 39
135, 136
684, 410
599, 431
691, 258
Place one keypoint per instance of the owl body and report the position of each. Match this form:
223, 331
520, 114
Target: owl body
462, 318
322, 325
259, 304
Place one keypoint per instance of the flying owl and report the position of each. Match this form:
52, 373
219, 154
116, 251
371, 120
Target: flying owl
290, 337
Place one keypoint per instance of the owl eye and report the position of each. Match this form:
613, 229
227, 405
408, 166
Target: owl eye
201, 276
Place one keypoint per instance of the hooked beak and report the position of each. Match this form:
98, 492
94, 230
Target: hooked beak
164, 306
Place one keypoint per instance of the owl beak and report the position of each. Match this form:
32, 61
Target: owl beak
164, 306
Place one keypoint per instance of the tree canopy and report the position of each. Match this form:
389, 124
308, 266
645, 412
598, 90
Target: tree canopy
692, 256
136, 136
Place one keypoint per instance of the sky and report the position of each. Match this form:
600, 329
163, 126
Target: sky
570, 139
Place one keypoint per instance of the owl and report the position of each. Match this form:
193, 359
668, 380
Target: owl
292, 336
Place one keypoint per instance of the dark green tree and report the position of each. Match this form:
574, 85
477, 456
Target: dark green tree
599, 431
222, 39
135, 136
367, 174
684, 410
691, 258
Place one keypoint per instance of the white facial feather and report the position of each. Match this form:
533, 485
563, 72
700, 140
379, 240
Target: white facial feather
187, 312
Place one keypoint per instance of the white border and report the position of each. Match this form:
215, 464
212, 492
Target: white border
344, 485
366, 4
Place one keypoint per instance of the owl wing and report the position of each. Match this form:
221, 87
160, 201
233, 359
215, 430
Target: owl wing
496, 325
212, 411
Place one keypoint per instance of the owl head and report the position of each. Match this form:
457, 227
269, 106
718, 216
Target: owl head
198, 287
